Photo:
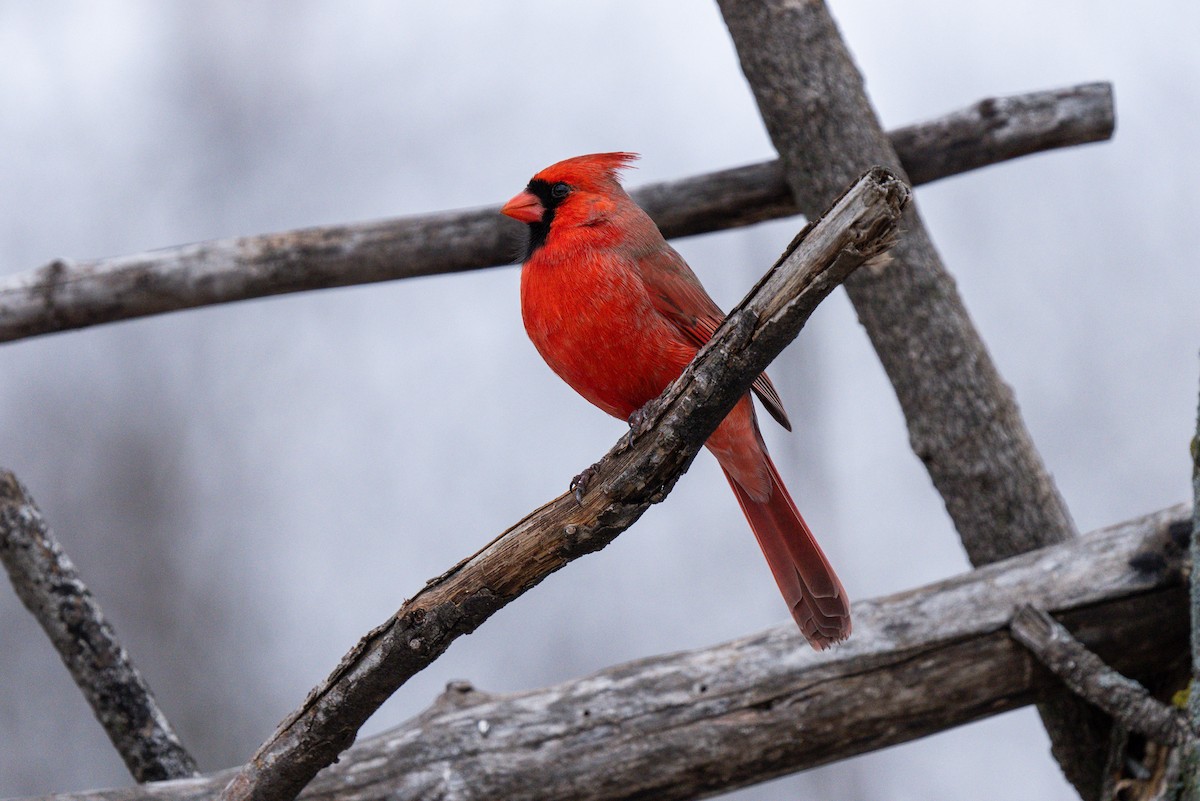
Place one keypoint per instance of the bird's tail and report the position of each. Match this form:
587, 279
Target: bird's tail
812, 590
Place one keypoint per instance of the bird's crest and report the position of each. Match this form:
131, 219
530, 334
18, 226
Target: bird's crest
591, 170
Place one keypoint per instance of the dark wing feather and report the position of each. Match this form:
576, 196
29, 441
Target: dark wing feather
679, 296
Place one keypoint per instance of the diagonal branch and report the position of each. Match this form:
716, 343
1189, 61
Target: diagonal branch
631, 477
963, 421
48, 584
65, 295
1127, 701
693, 724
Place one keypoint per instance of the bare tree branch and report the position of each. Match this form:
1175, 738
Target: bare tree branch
692, 724
1185, 778
996, 129
630, 478
989, 132
963, 421
49, 585
1191, 757
1089, 677
65, 295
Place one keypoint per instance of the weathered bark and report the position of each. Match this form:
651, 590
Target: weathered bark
1129, 703
631, 477
692, 724
963, 421
991, 131
65, 295
49, 585
996, 129
1185, 778
1192, 757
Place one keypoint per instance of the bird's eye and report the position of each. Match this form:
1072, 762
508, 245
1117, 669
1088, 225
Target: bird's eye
560, 190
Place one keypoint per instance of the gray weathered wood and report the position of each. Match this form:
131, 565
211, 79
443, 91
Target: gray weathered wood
633, 475
1185, 778
50, 586
993, 130
963, 421
692, 724
1127, 701
1192, 756
66, 295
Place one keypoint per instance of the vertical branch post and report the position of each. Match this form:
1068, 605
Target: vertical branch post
1189, 789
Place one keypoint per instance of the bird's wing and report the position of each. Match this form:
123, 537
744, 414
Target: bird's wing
678, 295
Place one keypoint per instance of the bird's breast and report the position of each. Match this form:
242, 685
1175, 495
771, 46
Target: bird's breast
594, 324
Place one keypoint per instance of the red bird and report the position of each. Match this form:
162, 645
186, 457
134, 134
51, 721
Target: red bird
618, 314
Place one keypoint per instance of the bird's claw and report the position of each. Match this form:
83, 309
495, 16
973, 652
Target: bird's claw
639, 423
580, 483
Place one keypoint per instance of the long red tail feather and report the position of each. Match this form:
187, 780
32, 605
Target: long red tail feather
812, 590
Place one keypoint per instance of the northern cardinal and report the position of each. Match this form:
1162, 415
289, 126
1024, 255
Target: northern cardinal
617, 314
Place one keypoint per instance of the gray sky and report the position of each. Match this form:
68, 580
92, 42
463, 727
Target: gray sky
250, 488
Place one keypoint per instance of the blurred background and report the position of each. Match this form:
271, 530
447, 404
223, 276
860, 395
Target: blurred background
250, 488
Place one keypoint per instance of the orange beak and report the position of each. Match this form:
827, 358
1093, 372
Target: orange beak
524, 207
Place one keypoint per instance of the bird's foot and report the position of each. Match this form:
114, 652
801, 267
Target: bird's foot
639, 423
580, 483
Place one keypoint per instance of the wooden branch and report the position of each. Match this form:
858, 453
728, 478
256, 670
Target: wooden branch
692, 724
49, 585
631, 477
65, 295
994, 130
991, 131
1127, 701
1184, 774
963, 422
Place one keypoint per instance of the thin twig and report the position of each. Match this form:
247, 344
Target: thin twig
626, 482
65, 294
1127, 701
49, 585
699, 723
